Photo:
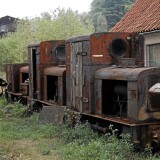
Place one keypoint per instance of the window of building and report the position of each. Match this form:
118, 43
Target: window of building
153, 55
3, 28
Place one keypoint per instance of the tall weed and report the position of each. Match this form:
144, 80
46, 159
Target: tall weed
68, 142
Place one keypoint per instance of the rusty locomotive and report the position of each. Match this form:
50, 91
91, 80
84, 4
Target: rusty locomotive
100, 76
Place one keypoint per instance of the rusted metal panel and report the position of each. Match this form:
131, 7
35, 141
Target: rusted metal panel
138, 49
24, 69
116, 73
68, 53
98, 94
40, 79
73, 76
48, 52
38, 84
13, 76
100, 46
24, 89
86, 53
86, 100
78, 39
55, 71
45, 88
8, 77
60, 91
78, 52
79, 80
79, 76
75, 68
121, 121
127, 62
132, 111
68, 74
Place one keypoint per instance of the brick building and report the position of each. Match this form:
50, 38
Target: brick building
144, 18
7, 24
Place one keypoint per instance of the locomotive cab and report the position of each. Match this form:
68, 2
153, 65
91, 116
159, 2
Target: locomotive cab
41, 56
86, 54
13, 79
53, 75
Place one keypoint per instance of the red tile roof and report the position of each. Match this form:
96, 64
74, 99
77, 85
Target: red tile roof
144, 16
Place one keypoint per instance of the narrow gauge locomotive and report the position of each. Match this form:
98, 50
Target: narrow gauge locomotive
33, 81
104, 80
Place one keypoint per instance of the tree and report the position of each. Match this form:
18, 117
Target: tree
60, 24
46, 15
113, 10
101, 23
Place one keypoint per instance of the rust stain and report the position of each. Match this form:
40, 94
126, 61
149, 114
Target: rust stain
133, 94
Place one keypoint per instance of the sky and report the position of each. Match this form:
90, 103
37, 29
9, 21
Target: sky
33, 8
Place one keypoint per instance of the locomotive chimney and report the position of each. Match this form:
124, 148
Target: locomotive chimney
118, 49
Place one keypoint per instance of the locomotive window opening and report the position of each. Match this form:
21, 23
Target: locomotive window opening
114, 98
153, 55
34, 71
60, 52
153, 101
153, 93
24, 77
52, 88
118, 47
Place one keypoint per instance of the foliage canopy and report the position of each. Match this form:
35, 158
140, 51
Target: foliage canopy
57, 25
112, 10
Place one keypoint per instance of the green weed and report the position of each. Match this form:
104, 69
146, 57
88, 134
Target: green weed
65, 141
44, 149
3, 102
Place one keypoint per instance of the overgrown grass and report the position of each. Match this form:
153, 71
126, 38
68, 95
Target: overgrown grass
26, 138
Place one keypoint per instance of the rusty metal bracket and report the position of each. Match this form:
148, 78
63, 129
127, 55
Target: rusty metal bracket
82, 53
84, 100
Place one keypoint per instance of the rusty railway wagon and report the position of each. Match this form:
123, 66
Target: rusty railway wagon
100, 76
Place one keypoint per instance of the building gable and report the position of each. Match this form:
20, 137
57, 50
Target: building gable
7, 24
